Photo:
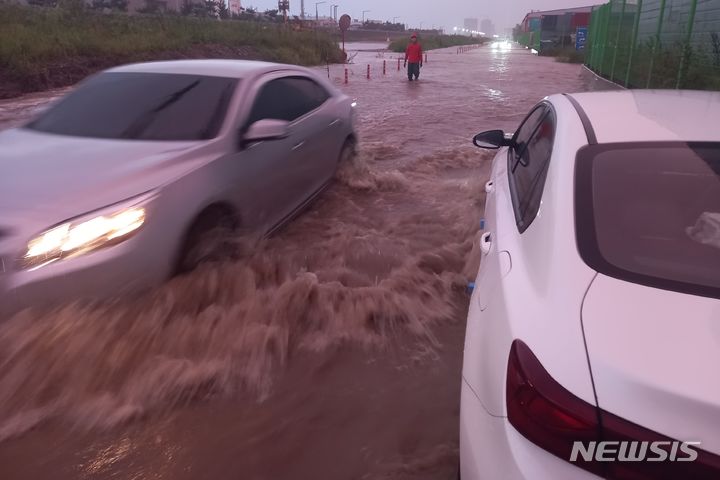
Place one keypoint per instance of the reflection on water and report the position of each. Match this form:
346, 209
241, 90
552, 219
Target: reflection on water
106, 457
495, 95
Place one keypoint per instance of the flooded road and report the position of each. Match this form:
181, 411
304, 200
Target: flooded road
330, 351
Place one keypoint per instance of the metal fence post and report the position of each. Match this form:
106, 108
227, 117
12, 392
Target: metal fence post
686, 46
606, 27
633, 45
656, 42
617, 40
597, 37
590, 42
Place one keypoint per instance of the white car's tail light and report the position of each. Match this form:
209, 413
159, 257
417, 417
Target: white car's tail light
544, 412
554, 419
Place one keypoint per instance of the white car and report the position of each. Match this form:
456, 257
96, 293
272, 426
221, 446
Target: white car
593, 334
115, 186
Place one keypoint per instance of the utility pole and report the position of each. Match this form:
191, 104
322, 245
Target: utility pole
302, 9
333, 11
364, 12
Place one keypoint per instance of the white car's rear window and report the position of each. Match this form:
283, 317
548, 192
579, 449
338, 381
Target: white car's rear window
650, 213
142, 106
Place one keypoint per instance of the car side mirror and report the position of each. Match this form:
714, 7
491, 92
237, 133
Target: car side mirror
267, 129
492, 139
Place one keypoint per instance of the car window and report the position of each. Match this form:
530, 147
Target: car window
287, 98
142, 106
315, 93
651, 213
526, 130
528, 164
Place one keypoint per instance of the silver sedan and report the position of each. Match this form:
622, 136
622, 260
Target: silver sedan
113, 187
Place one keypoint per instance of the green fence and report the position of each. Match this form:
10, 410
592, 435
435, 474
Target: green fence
530, 39
656, 43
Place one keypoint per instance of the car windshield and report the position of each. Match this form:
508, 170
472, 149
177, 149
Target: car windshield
656, 212
141, 106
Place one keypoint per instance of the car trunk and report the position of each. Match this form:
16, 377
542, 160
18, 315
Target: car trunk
654, 357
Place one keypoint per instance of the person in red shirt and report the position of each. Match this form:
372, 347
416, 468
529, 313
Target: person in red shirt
413, 58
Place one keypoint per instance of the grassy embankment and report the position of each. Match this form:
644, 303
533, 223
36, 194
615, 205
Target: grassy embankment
49, 48
432, 42
569, 55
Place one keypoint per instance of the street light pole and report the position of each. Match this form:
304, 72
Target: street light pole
316, 9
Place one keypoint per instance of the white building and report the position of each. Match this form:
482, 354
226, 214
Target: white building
234, 7
471, 24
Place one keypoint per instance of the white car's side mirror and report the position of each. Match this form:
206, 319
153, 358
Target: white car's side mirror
267, 130
492, 139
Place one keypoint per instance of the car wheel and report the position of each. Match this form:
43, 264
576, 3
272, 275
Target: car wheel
209, 239
348, 152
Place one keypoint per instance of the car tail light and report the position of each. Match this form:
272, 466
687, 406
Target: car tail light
544, 412
554, 419
614, 428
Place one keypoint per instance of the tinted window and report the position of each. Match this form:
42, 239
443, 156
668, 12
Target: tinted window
650, 213
142, 106
287, 98
528, 127
529, 160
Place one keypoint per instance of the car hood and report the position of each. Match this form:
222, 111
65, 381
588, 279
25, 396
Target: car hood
654, 355
66, 176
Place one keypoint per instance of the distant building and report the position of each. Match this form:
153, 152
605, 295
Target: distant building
553, 28
471, 24
328, 22
487, 27
160, 5
234, 7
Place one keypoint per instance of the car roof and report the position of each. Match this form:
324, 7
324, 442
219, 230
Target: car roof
216, 68
652, 115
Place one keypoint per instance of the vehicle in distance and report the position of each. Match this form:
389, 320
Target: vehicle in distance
593, 328
112, 188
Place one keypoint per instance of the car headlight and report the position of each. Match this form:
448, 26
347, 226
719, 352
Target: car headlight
99, 229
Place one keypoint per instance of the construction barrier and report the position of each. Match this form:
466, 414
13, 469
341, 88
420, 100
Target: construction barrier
467, 48
367, 69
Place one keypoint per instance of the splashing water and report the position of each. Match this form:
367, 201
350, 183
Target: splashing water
345, 272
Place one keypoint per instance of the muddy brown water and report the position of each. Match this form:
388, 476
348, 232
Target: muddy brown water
331, 351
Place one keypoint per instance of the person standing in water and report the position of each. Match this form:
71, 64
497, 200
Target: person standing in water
413, 58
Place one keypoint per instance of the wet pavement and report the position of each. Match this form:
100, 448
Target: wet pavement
330, 351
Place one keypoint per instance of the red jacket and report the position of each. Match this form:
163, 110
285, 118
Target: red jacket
413, 54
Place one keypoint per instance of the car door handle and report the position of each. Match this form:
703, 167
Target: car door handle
299, 145
485, 243
490, 187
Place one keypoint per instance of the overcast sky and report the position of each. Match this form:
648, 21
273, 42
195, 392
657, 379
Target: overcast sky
445, 13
